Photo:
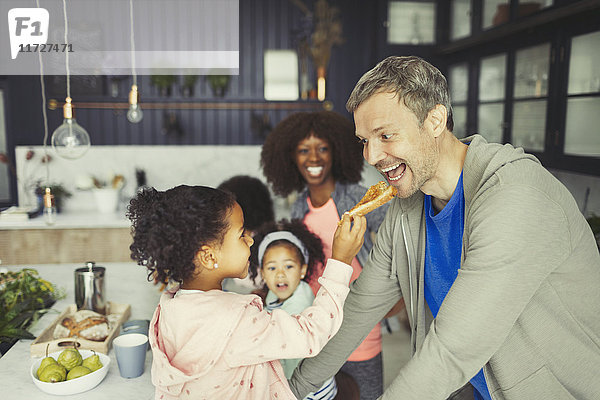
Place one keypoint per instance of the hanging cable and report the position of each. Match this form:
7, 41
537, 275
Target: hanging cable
135, 113
44, 113
132, 42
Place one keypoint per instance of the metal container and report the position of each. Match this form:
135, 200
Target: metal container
89, 288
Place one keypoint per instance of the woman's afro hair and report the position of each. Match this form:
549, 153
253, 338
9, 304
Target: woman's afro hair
278, 152
169, 227
254, 198
311, 242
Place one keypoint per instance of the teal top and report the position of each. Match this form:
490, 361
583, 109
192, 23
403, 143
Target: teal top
301, 299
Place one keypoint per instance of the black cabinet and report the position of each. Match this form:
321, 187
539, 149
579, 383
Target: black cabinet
528, 74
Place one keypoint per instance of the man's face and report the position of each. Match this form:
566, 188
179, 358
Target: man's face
394, 142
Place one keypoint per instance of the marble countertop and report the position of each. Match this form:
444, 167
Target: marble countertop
124, 283
72, 220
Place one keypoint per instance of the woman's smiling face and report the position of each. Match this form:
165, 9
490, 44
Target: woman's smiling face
283, 269
313, 157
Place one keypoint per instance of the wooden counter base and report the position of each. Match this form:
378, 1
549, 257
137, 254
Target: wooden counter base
50, 246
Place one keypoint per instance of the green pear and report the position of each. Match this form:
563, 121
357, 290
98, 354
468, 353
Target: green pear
70, 358
45, 362
93, 362
53, 373
77, 372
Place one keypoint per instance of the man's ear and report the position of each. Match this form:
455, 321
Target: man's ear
205, 257
436, 119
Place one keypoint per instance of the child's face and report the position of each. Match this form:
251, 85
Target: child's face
314, 160
234, 252
282, 270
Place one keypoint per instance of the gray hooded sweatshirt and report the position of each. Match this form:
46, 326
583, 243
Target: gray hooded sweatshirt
525, 305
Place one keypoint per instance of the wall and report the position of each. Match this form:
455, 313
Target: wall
264, 24
165, 167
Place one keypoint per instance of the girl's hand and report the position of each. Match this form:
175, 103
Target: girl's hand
348, 238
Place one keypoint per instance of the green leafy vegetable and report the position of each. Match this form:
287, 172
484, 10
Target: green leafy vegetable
24, 298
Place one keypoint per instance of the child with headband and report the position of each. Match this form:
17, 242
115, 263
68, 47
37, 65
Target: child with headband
210, 344
286, 255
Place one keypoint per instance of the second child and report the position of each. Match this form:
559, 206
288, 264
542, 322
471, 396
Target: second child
286, 254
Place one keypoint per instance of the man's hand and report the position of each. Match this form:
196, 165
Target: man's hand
348, 238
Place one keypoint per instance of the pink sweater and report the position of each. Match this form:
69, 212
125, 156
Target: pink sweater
223, 345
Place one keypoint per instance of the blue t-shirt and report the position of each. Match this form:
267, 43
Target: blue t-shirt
442, 259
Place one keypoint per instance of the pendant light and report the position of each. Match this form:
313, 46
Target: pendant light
69, 140
134, 114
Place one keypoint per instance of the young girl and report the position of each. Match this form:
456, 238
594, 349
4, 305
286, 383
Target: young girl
286, 254
317, 154
210, 344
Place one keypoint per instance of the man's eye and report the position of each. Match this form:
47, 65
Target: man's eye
385, 136
362, 141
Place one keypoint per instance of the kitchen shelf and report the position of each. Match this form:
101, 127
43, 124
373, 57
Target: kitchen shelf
53, 104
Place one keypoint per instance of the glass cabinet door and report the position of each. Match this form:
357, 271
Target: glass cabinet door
490, 111
458, 85
530, 97
495, 12
460, 20
411, 22
583, 97
527, 7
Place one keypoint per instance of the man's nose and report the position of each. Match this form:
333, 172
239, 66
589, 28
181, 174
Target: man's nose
373, 152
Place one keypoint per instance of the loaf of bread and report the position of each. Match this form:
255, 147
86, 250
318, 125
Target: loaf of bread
85, 324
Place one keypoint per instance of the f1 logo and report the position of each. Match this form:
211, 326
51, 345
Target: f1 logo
27, 26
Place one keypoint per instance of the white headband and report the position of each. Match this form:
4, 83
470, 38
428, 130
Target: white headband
281, 235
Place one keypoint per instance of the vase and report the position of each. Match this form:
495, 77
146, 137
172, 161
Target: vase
107, 200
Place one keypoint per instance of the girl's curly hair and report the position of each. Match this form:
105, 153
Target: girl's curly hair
169, 227
278, 151
312, 242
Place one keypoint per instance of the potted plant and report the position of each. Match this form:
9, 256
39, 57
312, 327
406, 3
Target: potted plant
218, 84
24, 298
163, 83
188, 84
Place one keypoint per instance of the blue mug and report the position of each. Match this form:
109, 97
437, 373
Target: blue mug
135, 326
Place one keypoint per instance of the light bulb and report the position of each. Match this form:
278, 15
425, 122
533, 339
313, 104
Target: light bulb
70, 140
135, 113
49, 207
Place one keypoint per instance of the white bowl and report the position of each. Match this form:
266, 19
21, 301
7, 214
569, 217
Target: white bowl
73, 386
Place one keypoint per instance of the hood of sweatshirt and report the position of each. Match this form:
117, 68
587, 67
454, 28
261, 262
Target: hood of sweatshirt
484, 159
190, 332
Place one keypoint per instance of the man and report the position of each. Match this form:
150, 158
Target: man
499, 270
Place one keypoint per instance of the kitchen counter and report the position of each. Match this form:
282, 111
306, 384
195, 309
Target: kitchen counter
74, 237
72, 220
124, 283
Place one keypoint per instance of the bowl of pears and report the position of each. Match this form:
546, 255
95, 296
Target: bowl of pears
69, 371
